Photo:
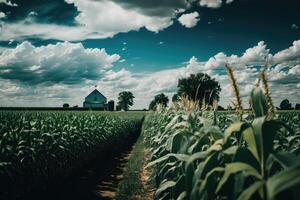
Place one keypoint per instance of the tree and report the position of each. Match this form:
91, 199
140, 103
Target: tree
297, 106
159, 99
175, 98
199, 87
66, 105
285, 105
125, 100
220, 108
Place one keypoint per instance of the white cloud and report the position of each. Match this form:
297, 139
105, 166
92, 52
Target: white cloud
292, 54
284, 79
66, 63
229, 1
294, 26
2, 15
189, 20
211, 3
106, 18
145, 86
97, 19
257, 54
32, 14
9, 3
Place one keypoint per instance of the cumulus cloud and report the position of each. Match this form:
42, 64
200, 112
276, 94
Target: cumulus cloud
257, 54
91, 19
292, 54
189, 20
2, 15
145, 86
283, 76
294, 26
8, 3
211, 3
66, 63
162, 8
229, 1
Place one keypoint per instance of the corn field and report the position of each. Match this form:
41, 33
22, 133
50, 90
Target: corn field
40, 148
198, 154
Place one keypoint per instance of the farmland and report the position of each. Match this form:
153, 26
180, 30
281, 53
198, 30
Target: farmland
194, 153
199, 154
43, 148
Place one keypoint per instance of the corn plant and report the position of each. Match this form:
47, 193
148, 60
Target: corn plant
195, 156
40, 148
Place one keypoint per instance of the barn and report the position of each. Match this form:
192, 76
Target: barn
95, 100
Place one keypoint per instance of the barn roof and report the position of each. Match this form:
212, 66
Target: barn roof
97, 92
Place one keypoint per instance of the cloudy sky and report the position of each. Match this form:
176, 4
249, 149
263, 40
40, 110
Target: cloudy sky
56, 51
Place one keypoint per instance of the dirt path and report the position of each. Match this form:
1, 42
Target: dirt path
107, 189
145, 175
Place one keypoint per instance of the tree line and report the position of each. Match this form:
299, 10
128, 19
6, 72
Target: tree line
198, 87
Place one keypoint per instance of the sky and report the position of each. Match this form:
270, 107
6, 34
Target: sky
56, 51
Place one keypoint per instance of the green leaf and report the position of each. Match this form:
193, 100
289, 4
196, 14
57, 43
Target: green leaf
249, 137
209, 183
269, 130
259, 102
257, 125
181, 157
285, 159
233, 168
244, 155
164, 187
233, 129
250, 191
210, 163
190, 169
282, 181
182, 196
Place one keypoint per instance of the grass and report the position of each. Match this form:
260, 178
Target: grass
132, 185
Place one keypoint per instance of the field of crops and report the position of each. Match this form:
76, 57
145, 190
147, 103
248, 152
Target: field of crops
197, 154
41, 148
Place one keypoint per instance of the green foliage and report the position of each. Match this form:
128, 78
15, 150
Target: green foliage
39, 148
160, 99
196, 156
125, 100
200, 87
285, 105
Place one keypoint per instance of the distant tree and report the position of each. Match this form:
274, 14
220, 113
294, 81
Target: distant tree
285, 105
220, 108
66, 105
125, 100
159, 99
229, 108
175, 98
297, 106
111, 105
118, 108
76, 106
199, 87
152, 105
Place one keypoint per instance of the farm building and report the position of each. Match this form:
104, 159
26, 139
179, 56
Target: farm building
95, 100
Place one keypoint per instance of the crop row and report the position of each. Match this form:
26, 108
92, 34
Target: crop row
209, 155
40, 148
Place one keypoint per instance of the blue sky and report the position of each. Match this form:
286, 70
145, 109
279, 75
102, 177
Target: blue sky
143, 43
